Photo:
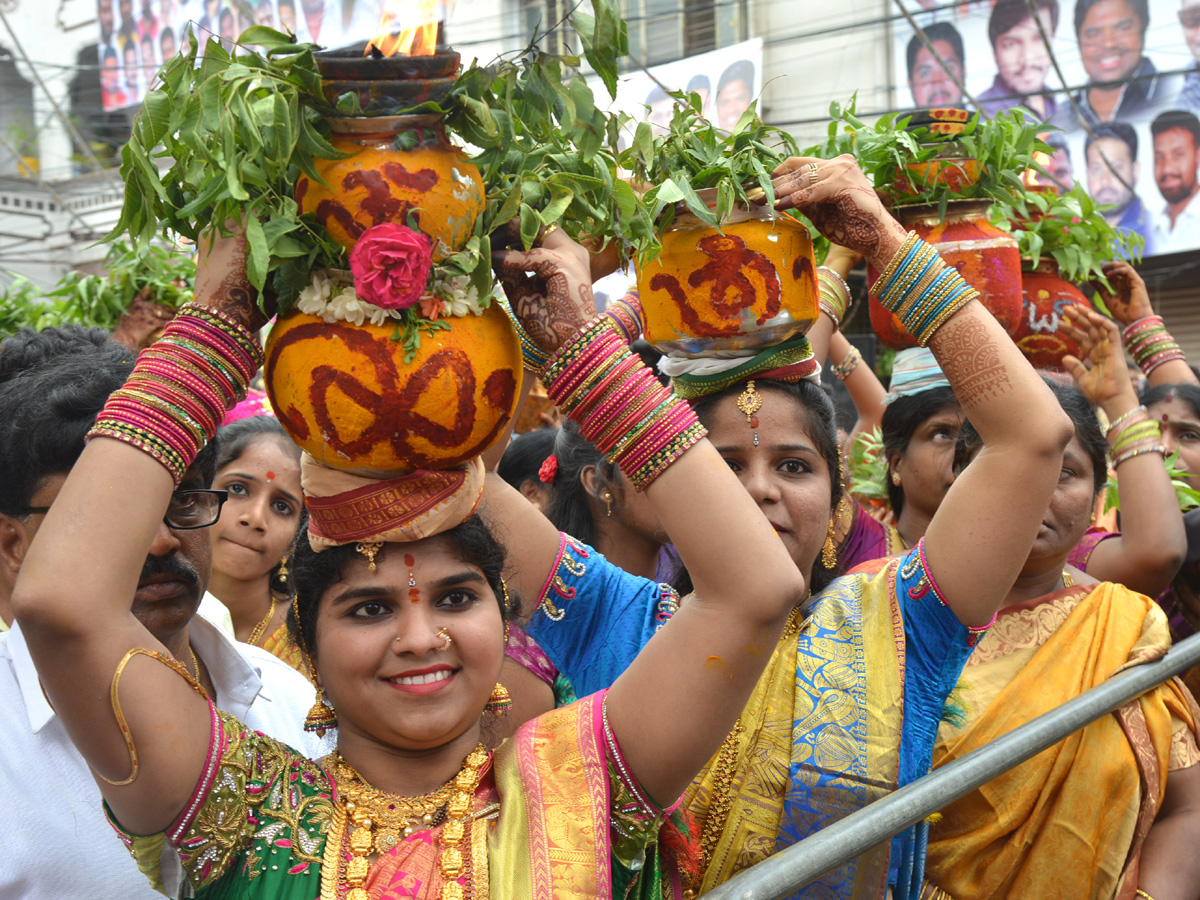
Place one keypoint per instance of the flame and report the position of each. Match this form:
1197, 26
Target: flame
416, 40
1035, 177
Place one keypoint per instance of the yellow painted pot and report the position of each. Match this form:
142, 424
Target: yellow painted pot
749, 285
381, 182
345, 395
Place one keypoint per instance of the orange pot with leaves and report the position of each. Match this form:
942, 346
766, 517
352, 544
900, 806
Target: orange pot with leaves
748, 285
395, 166
1040, 335
346, 393
987, 258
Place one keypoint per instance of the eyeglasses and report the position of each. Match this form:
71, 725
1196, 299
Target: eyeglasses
187, 510
1190, 17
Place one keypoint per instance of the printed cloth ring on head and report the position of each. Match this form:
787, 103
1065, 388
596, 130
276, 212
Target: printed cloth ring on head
345, 508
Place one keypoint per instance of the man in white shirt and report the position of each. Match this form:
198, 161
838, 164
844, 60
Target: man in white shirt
54, 840
1176, 135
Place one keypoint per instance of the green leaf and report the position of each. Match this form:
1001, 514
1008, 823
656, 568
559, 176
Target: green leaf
258, 256
531, 224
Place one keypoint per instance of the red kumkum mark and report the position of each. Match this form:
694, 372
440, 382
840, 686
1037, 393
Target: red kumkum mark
270, 476
414, 595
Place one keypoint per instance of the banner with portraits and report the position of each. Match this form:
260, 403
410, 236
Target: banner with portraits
1125, 94
136, 36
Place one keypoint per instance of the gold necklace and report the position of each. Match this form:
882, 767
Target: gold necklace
259, 629
196, 666
380, 820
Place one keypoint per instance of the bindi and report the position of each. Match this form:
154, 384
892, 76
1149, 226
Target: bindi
413, 594
270, 476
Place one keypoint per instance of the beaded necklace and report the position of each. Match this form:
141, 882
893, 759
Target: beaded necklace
377, 821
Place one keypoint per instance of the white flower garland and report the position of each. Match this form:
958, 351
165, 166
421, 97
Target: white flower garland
330, 298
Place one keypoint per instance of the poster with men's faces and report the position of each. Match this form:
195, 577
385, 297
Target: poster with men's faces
1125, 94
138, 36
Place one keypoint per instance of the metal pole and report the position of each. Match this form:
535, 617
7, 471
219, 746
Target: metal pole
789, 870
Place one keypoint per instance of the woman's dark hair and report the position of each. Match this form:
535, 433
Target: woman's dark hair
1083, 417
569, 509
236, 438
523, 457
820, 424
314, 573
901, 419
1188, 393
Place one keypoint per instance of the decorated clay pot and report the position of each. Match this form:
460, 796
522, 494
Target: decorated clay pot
345, 394
749, 285
949, 168
1045, 297
987, 258
397, 165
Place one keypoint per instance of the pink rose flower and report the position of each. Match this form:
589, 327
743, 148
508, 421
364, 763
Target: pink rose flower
391, 264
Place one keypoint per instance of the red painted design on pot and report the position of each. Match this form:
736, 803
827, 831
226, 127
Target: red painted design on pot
1040, 334
987, 258
385, 178
345, 394
749, 285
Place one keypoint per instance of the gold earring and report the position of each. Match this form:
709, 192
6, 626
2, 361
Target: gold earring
608, 504
369, 549
500, 702
829, 549
750, 402
896, 479
321, 717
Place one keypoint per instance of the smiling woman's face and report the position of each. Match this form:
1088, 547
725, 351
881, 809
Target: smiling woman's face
259, 520
390, 675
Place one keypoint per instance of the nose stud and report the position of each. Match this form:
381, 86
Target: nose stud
445, 636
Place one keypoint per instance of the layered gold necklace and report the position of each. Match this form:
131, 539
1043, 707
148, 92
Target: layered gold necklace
379, 821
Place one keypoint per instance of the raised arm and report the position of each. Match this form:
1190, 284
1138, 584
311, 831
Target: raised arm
1144, 335
1152, 543
84, 571
673, 706
980, 537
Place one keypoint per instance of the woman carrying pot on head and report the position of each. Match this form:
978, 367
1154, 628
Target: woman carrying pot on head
1114, 808
258, 466
852, 697
1176, 408
919, 418
406, 632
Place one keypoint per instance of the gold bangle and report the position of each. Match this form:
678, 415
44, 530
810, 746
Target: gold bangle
1141, 893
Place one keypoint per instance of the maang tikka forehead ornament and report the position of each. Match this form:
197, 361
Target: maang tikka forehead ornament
750, 402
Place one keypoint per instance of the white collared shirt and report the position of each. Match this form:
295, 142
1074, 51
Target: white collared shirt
1185, 235
54, 839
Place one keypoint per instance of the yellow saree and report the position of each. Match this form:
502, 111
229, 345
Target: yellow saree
817, 740
1069, 822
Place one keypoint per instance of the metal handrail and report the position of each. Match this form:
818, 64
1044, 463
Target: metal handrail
789, 870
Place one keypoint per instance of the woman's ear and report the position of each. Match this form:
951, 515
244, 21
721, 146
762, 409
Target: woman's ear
587, 477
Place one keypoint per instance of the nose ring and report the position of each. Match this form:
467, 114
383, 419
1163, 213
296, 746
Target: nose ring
444, 635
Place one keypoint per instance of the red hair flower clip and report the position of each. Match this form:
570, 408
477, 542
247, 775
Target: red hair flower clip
548, 470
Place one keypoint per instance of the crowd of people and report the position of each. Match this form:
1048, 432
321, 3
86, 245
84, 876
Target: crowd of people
630, 654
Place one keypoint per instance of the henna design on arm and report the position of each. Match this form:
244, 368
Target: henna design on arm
971, 359
543, 301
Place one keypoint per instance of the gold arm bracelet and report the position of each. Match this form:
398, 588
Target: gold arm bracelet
1141, 893
135, 766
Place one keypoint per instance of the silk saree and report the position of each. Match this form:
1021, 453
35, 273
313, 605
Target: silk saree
1071, 821
847, 709
553, 818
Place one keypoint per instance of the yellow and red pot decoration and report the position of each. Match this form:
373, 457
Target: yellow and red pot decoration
744, 286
